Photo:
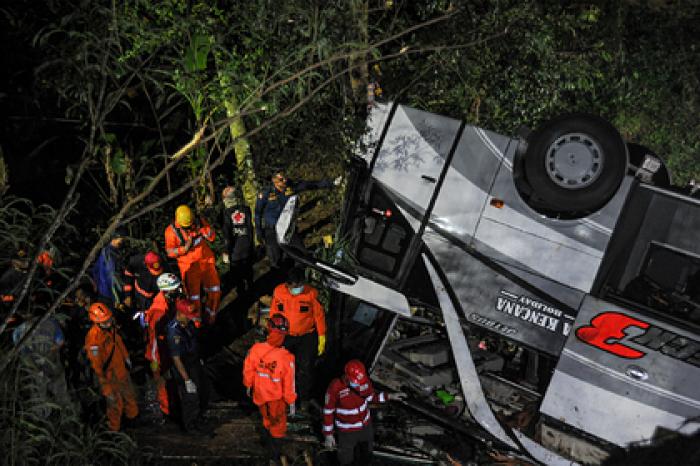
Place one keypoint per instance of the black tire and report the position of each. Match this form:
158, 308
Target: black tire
661, 178
574, 164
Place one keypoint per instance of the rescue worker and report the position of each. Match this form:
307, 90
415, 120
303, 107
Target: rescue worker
41, 350
141, 280
157, 318
77, 325
187, 369
346, 408
269, 205
111, 364
238, 238
108, 269
186, 240
268, 375
307, 328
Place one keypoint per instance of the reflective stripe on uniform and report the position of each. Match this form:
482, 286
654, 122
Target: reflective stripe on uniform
358, 410
263, 374
196, 241
328, 411
382, 398
142, 291
354, 425
194, 297
328, 428
213, 288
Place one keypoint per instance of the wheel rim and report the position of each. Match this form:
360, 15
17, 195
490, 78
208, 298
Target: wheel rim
574, 161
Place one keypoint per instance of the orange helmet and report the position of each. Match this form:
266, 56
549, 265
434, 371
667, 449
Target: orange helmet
355, 372
99, 313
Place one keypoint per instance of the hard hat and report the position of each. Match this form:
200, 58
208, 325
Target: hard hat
152, 261
168, 282
355, 372
99, 313
278, 323
185, 307
183, 216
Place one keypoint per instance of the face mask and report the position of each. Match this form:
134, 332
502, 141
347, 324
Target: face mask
296, 290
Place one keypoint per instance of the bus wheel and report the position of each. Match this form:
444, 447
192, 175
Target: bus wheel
574, 164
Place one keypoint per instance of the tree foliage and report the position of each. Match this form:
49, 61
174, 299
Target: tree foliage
634, 63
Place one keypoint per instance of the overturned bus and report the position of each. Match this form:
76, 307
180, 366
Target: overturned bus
548, 283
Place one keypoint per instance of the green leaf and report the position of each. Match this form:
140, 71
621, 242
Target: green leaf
118, 162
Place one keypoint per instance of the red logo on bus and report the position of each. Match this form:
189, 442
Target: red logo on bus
605, 331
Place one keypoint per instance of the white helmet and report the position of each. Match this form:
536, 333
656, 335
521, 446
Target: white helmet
168, 282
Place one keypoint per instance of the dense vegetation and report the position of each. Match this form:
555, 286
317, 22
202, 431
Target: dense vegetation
98, 96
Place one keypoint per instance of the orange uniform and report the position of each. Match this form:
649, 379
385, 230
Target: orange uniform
157, 346
303, 311
197, 265
269, 371
109, 360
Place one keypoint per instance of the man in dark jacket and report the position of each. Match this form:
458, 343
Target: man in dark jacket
108, 269
269, 205
238, 237
187, 369
141, 280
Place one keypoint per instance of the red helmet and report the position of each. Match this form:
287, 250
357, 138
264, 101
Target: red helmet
99, 313
152, 261
278, 323
355, 372
185, 307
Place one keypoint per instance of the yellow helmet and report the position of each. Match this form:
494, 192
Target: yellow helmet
183, 216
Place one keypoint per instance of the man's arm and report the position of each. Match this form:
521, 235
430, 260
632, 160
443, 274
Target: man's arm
289, 391
172, 244
206, 230
248, 371
130, 275
260, 205
319, 315
329, 409
300, 186
226, 225
95, 354
180, 368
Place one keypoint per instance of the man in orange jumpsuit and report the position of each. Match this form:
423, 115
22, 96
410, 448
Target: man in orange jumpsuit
186, 240
110, 361
268, 372
298, 302
157, 317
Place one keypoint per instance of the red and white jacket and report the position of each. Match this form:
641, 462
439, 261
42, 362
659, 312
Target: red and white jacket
347, 408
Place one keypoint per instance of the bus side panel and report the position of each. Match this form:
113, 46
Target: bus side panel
622, 374
494, 300
566, 251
